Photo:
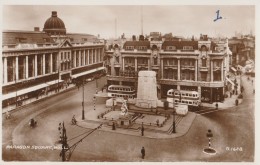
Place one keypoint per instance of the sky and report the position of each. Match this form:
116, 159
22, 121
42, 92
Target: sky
182, 20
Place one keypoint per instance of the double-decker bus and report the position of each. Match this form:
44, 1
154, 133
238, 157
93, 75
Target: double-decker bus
190, 98
121, 91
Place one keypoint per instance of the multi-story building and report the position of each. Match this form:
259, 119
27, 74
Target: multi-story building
243, 49
183, 65
41, 62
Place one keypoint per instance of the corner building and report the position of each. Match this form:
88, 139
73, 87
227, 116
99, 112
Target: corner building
39, 63
189, 65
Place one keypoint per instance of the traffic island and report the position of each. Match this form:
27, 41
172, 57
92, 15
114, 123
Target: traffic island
210, 151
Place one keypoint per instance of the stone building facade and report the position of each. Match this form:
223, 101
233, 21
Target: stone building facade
42, 62
200, 65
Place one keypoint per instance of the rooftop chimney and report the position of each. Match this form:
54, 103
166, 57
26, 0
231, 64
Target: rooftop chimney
36, 29
54, 14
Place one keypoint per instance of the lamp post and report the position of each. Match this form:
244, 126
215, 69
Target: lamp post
96, 77
83, 112
15, 92
64, 143
173, 113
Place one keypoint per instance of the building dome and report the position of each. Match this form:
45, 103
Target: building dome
54, 25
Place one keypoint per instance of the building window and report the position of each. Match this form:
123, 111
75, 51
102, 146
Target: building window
155, 61
203, 76
187, 47
217, 75
142, 47
204, 62
129, 47
143, 61
170, 48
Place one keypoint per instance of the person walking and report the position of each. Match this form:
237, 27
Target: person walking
143, 152
142, 130
236, 102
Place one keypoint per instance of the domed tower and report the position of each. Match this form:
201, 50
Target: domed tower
54, 25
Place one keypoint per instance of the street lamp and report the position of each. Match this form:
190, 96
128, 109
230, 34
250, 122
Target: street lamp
173, 113
83, 113
15, 92
96, 77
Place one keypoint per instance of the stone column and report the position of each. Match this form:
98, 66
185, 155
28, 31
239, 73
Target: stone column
80, 54
199, 91
94, 56
16, 68
26, 67
179, 69
43, 64
123, 63
74, 61
222, 71
196, 70
136, 64
211, 71
149, 64
88, 57
35, 66
5, 70
84, 58
162, 69
51, 63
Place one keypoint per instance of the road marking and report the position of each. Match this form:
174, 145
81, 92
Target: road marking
209, 112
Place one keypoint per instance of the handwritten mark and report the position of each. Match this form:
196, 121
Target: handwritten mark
218, 17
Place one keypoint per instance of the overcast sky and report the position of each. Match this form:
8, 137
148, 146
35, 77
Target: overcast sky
179, 20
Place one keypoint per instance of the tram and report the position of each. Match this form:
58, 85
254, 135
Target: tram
121, 91
190, 98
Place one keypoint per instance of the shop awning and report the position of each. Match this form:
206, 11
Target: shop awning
28, 90
54, 82
88, 72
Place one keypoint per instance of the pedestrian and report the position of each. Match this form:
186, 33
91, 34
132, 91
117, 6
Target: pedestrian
216, 105
230, 94
143, 152
236, 102
252, 81
254, 91
233, 91
142, 130
113, 126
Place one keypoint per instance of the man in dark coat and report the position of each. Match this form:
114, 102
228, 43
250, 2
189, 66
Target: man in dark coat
143, 152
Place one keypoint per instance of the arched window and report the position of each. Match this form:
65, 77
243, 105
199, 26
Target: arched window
154, 47
203, 48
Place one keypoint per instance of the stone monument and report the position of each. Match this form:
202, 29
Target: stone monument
147, 90
124, 118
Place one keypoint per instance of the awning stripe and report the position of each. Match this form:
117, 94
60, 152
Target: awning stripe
30, 89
